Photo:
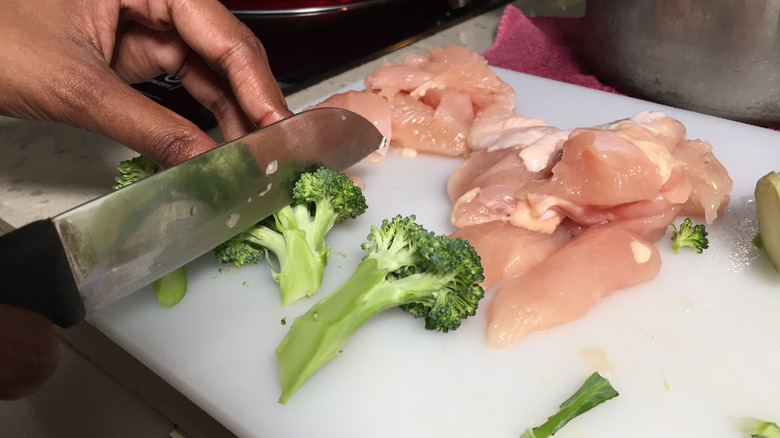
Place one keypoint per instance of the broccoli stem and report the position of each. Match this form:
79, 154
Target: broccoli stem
302, 275
593, 392
171, 288
319, 334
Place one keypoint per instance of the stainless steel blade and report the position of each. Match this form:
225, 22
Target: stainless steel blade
127, 239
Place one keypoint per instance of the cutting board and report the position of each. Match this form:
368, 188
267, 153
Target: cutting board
690, 352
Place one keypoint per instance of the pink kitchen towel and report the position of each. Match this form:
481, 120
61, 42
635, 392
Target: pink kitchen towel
550, 47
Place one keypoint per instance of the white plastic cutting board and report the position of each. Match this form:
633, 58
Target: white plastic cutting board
690, 352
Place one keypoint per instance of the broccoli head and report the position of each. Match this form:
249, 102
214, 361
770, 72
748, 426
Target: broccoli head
689, 235
134, 170
295, 235
435, 277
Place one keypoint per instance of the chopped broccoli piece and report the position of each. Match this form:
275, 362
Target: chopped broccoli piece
170, 288
134, 170
431, 276
595, 391
689, 235
295, 235
759, 428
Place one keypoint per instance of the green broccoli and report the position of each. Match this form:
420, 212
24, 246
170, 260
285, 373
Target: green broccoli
170, 288
431, 276
133, 170
689, 235
593, 392
756, 428
295, 235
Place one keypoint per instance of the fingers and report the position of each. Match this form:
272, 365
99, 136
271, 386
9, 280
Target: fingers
142, 52
90, 95
29, 352
55, 66
221, 40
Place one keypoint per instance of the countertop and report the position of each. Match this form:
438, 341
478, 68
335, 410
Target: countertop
47, 168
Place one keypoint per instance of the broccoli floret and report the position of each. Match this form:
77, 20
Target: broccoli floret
689, 235
295, 235
170, 288
133, 170
430, 276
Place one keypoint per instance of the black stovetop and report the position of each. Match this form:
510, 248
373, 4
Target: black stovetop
305, 50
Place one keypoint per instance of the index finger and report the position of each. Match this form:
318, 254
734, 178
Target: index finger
222, 40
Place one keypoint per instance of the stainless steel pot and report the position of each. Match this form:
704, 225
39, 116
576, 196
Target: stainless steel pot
719, 57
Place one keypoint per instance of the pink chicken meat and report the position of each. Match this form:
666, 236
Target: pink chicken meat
430, 101
565, 285
576, 194
560, 217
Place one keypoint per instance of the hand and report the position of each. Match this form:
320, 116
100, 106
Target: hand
29, 351
71, 60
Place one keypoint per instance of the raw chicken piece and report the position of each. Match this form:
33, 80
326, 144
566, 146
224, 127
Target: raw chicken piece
371, 106
623, 173
528, 187
539, 143
564, 286
508, 251
436, 97
710, 180
459, 69
484, 189
416, 126
486, 168
455, 107
390, 79
601, 168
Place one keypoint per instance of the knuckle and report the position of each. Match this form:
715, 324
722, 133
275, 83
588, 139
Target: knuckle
172, 145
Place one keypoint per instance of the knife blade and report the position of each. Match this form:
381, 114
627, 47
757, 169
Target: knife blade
96, 253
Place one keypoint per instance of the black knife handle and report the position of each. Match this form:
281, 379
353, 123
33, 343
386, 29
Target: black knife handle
35, 274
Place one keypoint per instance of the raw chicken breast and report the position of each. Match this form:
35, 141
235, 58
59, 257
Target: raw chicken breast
564, 286
601, 168
623, 172
369, 105
710, 180
374, 108
436, 97
416, 126
390, 79
459, 69
485, 187
538, 143
486, 168
508, 251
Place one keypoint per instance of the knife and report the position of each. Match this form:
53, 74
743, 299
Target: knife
94, 254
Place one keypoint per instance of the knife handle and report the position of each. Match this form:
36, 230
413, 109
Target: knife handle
35, 274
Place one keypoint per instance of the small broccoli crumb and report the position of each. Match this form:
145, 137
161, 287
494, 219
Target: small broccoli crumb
284, 321
692, 236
